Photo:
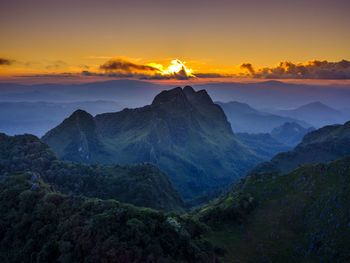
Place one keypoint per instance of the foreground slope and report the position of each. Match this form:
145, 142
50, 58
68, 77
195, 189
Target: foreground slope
41, 225
302, 216
183, 132
142, 184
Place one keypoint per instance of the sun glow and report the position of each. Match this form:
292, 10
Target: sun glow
176, 67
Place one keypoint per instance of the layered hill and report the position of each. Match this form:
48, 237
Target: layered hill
38, 117
316, 113
302, 216
183, 132
263, 144
290, 133
326, 144
142, 184
246, 119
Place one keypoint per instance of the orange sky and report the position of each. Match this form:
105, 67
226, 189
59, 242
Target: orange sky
45, 37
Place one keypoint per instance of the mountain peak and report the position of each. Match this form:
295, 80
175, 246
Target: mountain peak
316, 105
188, 90
202, 96
174, 97
80, 113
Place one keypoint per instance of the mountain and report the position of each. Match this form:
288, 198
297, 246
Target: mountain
301, 216
263, 144
40, 116
142, 184
316, 113
78, 141
290, 133
183, 132
244, 118
42, 225
326, 144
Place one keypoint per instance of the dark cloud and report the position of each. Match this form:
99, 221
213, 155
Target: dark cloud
316, 69
143, 76
119, 64
53, 75
56, 65
6, 62
211, 75
248, 67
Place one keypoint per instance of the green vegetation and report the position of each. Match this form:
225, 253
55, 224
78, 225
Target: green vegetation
302, 216
142, 184
38, 224
183, 132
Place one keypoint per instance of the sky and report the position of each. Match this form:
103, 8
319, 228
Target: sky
140, 38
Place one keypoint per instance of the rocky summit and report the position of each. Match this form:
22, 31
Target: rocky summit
183, 132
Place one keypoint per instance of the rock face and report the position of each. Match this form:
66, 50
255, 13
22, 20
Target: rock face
182, 131
78, 140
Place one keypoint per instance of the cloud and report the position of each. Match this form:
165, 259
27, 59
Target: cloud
142, 76
248, 67
119, 64
123, 68
211, 75
6, 62
52, 75
56, 65
315, 69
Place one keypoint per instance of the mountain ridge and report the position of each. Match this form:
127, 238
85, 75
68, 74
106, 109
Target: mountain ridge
244, 118
142, 184
182, 131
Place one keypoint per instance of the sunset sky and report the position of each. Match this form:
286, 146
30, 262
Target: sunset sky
47, 37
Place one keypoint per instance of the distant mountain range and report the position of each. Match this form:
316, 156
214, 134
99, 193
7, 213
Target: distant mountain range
134, 93
183, 132
39, 117
278, 94
316, 113
290, 133
244, 118
263, 144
